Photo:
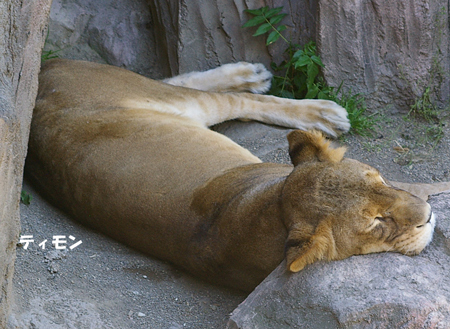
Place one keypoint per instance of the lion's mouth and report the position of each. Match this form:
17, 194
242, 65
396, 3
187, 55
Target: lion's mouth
432, 221
427, 235
431, 218
414, 244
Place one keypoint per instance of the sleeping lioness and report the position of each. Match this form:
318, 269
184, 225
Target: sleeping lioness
133, 158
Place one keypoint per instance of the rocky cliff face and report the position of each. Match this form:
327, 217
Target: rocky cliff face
22, 33
107, 31
394, 52
391, 51
160, 38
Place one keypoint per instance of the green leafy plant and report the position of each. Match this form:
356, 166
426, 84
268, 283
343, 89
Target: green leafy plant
431, 126
362, 124
267, 19
300, 70
49, 54
301, 74
425, 108
25, 198
427, 117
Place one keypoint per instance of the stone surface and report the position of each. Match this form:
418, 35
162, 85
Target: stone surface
391, 51
197, 35
268, 143
374, 291
107, 31
161, 38
22, 31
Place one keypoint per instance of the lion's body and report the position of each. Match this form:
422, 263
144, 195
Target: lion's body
133, 158
140, 165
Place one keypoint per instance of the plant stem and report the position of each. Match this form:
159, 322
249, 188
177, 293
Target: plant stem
273, 28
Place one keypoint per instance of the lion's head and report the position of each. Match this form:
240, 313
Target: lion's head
347, 207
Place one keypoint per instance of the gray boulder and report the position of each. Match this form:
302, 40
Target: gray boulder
106, 31
373, 291
22, 31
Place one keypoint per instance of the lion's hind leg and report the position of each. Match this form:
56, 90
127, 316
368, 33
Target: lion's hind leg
236, 77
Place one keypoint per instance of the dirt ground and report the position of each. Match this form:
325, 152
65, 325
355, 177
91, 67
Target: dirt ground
103, 284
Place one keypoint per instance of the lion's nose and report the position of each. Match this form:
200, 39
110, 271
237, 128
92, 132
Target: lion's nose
430, 220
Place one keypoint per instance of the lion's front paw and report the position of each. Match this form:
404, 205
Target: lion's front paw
236, 77
242, 76
333, 118
307, 114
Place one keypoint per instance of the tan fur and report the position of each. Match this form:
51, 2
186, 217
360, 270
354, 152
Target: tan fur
133, 158
318, 148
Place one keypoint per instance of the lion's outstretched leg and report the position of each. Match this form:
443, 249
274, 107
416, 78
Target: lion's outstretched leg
208, 109
238, 77
109, 87
235, 77
303, 114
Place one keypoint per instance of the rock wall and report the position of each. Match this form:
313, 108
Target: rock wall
372, 291
116, 32
22, 33
197, 35
161, 38
391, 51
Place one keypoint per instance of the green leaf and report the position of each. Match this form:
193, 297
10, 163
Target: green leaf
273, 36
310, 48
254, 21
272, 12
274, 66
298, 54
312, 72
317, 60
300, 82
287, 83
281, 28
265, 10
323, 95
286, 94
264, 28
302, 61
49, 54
313, 90
25, 198
276, 19
256, 12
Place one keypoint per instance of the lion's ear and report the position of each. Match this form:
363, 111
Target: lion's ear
306, 146
303, 248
